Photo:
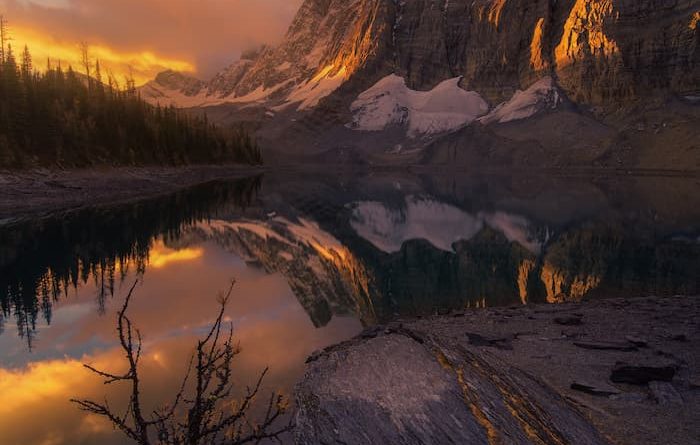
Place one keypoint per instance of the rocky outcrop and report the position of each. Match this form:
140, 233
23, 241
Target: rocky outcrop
513, 376
401, 388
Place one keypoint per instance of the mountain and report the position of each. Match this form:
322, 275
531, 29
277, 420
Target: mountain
399, 75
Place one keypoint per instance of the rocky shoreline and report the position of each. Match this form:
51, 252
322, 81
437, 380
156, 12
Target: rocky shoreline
605, 371
38, 193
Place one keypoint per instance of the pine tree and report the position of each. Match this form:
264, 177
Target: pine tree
26, 63
56, 118
4, 38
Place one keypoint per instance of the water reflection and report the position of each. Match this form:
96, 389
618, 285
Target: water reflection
40, 261
316, 257
374, 248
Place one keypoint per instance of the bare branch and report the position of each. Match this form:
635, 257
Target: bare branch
211, 416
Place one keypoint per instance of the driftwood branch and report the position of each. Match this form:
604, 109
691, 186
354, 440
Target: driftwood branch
204, 410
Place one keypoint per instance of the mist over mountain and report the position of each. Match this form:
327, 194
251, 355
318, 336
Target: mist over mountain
606, 83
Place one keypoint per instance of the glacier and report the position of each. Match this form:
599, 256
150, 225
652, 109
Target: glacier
390, 101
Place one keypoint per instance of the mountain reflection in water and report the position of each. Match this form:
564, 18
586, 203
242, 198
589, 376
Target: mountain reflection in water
316, 257
373, 248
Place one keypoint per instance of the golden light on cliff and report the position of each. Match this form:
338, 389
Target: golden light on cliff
584, 31
359, 46
537, 60
524, 270
562, 288
694, 21
144, 65
496, 11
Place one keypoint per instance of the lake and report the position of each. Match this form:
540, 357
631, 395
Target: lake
317, 257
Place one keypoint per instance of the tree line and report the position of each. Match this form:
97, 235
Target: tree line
60, 117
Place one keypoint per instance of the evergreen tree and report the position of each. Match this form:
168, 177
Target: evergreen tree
61, 118
26, 63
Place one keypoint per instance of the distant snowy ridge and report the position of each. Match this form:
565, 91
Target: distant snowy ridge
323, 47
445, 108
304, 95
442, 225
542, 95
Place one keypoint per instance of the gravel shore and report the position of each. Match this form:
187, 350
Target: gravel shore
37, 193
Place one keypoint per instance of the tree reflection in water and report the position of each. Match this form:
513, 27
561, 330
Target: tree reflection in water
40, 261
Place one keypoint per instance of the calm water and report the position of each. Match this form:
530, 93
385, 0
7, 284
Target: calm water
316, 257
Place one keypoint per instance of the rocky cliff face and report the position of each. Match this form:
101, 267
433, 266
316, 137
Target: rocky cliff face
328, 42
378, 81
599, 51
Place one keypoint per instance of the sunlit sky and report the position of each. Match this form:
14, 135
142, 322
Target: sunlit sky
174, 305
197, 36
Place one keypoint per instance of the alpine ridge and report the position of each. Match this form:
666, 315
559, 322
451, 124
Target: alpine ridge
594, 56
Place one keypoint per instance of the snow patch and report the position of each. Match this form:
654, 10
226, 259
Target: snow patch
311, 92
388, 229
156, 94
446, 107
440, 224
309, 233
541, 95
515, 228
260, 94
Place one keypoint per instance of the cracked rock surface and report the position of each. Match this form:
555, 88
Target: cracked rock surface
428, 381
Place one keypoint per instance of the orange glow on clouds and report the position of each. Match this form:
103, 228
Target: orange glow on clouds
22, 388
144, 64
161, 256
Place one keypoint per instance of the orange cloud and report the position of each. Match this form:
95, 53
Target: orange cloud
206, 34
161, 256
143, 64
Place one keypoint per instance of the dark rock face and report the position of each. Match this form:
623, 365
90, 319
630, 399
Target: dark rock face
599, 50
173, 80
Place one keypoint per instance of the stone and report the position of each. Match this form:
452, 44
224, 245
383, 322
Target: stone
680, 338
639, 342
568, 321
694, 381
372, 331
629, 397
595, 389
478, 340
642, 375
605, 346
664, 393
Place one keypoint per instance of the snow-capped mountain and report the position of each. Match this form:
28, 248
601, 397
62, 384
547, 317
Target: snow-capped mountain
433, 67
326, 43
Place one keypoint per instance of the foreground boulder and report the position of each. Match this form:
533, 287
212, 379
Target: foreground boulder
511, 376
401, 388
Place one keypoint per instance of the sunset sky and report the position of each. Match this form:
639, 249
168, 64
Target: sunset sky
199, 36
